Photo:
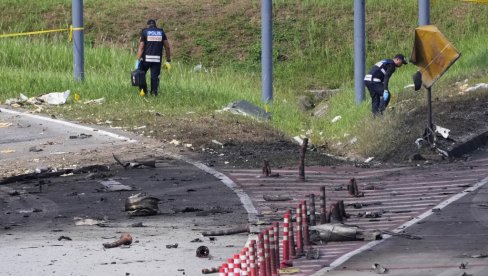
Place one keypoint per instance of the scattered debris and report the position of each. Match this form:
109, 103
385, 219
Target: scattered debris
236, 230
96, 101
336, 118
353, 189
196, 240
267, 170
35, 149
14, 193
401, 235
210, 270
142, 205
212, 211
246, 108
136, 164
203, 251
323, 233
190, 210
380, 269
80, 136
138, 224
477, 87
289, 270
88, 222
313, 254
463, 265
277, 197
64, 238
172, 246
218, 143
125, 239
111, 185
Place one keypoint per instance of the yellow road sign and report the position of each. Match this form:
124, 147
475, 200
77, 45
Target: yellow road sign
432, 53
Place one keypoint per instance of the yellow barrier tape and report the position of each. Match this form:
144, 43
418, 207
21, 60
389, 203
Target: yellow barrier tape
70, 30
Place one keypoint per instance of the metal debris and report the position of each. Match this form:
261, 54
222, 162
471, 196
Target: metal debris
202, 251
142, 205
64, 238
135, 164
267, 170
277, 198
125, 239
88, 222
175, 245
210, 270
80, 136
236, 230
313, 254
353, 189
380, 269
340, 232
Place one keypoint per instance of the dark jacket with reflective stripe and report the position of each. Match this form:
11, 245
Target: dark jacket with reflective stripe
153, 38
383, 70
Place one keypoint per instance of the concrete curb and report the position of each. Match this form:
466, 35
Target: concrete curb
469, 145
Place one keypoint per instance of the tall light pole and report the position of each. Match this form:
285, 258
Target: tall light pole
359, 49
266, 52
78, 48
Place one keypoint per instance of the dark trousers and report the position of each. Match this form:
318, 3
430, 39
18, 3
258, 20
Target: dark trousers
376, 92
155, 72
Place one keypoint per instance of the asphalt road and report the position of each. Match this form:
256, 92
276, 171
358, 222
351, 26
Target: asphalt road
41, 219
453, 241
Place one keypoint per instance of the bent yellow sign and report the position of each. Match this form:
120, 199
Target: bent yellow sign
432, 53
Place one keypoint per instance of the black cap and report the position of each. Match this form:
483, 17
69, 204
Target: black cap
151, 22
402, 58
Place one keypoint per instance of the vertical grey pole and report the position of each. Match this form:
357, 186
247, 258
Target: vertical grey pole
266, 51
359, 49
424, 19
78, 48
424, 12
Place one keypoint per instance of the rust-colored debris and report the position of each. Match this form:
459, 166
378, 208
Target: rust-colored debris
125, 239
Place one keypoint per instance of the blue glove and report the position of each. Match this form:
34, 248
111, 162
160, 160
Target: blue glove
136, 64
386, 95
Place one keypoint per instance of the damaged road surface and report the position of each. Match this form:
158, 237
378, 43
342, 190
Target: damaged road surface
89, 215
101, 218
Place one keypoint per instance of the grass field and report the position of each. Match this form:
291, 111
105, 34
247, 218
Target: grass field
313, 50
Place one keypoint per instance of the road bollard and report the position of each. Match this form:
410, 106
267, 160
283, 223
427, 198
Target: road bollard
299, 240
237, 265
301, 166
272, 256
267, 259
291, 237
306, 241
313, 218
261, 260
276, 227
253, 269
243, 261
230, 265
224, 270
286, 247
323, 215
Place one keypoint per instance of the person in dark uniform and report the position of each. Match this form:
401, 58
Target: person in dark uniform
377, 81
150, 53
